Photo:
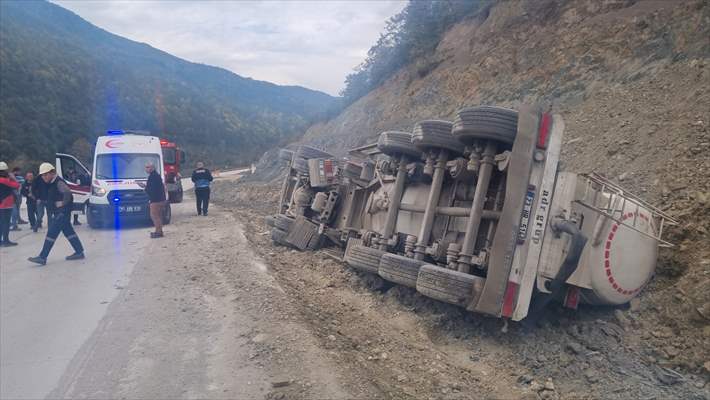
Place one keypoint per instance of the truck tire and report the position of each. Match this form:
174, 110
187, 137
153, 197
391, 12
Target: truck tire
300, 165
167, 214
308, 152
394, 144
94, 222
435, 134
283, 222
400, 269
352, 170
285, 155
175, 197
279, 237
487, 123
446, 285
362, 257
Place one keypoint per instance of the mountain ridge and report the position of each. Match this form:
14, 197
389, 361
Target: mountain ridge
68, 80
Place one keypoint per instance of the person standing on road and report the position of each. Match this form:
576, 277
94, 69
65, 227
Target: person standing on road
26, 191
60, 202
16, 218
156, 195
8, 186
39, 191
202, 178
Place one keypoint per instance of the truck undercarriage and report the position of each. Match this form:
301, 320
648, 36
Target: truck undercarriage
475, 213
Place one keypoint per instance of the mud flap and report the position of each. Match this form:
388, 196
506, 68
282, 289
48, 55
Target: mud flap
501, 258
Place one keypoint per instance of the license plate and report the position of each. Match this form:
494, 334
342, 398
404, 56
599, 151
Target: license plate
525, 216
129, 209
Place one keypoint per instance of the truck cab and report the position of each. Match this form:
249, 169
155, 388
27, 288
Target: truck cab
173, 162
119, 167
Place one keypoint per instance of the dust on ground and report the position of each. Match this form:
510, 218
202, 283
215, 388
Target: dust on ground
409, 346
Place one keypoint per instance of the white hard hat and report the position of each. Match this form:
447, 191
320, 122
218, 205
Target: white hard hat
45, 167
3, 166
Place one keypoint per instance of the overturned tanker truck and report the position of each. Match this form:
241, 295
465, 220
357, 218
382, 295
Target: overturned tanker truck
476, 213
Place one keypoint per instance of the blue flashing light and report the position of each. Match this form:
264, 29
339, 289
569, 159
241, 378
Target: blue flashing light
114, 132
116, 199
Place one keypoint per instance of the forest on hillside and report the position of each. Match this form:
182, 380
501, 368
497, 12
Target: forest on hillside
65, 81
409, 37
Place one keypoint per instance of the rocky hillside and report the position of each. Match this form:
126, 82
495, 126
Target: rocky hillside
632, 81
63, 81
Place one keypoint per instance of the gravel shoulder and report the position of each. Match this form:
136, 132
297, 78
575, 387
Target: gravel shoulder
409, 346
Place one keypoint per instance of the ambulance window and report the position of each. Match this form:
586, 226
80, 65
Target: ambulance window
124, 165
70, 170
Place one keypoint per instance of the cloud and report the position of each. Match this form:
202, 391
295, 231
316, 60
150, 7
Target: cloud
309, 43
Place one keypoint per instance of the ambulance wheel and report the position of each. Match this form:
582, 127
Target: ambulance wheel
167, 214
94, 222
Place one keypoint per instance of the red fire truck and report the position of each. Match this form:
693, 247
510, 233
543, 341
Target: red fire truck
173, 160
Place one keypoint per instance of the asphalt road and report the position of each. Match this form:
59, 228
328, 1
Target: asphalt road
178, 317
46, 313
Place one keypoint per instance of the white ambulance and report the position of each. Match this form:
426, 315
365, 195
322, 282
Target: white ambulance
119, 167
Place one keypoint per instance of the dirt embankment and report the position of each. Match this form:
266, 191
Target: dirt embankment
632, 81
409, 346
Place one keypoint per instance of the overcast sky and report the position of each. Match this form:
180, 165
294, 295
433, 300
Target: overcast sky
309, 43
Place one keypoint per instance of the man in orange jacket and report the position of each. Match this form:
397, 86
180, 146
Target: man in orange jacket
8, 185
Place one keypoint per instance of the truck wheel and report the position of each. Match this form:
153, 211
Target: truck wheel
308, 152
363, 258
400, 269
395, 143
279, 237
446, 285
283, 222
486, 122
94, 222
435, 134
175, 197
285, 155
352, 170
300, 165
167, 214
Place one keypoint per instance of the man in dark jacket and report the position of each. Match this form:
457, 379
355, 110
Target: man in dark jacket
26, 191
202, 178
156, 195
39, 191
60, 201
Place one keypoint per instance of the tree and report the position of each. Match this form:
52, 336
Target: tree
411, 34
